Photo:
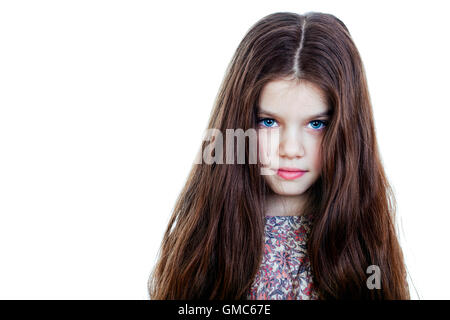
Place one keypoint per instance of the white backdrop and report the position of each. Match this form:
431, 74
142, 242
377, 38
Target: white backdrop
103, 105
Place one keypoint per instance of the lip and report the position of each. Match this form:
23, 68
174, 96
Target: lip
290, 173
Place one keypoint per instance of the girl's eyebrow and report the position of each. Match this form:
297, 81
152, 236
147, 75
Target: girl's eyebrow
321, 114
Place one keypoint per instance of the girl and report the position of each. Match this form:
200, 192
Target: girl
319, 223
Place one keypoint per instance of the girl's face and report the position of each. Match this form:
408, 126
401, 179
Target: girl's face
292, 118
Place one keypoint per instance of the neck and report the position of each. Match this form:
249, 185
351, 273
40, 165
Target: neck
278, 205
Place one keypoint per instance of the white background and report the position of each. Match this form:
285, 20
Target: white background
103, 105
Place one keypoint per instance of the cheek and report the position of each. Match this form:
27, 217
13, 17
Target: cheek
267, 145
316, 157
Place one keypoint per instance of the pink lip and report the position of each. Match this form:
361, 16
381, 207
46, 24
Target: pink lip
290, 173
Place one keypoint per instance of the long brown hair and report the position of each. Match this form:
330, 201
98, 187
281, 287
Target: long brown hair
213, 244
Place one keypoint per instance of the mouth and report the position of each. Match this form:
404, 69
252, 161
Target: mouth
290, 173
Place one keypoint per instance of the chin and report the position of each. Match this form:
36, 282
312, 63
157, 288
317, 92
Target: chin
289, 190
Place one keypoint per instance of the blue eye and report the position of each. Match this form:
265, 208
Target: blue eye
316, 124
267, 122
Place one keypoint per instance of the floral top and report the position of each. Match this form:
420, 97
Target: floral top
285, 272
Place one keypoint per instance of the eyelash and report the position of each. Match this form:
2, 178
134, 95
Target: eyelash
323, 122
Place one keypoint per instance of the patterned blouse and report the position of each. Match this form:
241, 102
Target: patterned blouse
285, 272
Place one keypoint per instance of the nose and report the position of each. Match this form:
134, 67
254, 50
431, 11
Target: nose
291, 145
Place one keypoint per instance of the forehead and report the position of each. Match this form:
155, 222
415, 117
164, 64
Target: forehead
288, 97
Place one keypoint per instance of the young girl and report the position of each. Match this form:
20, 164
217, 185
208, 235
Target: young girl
318, 223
